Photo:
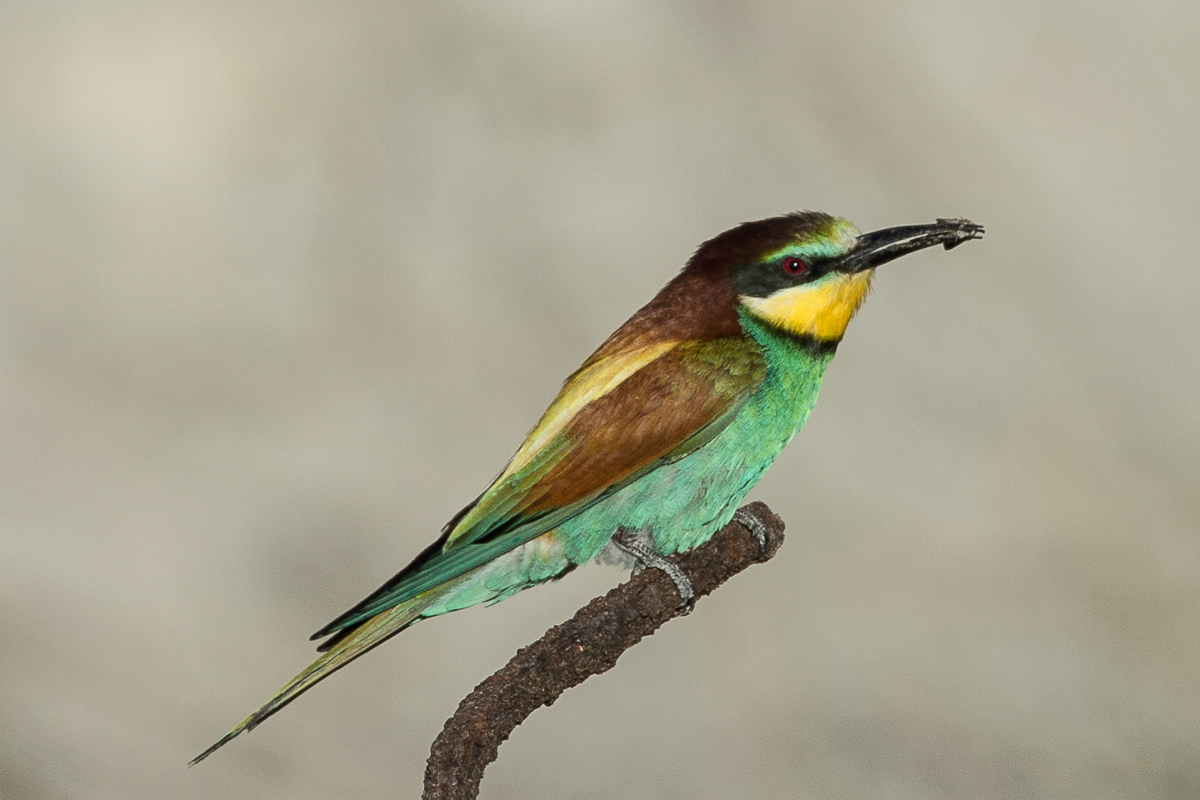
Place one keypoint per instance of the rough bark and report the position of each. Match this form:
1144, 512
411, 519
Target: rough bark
568, 654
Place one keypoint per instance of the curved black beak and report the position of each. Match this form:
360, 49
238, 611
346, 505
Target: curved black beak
880, 247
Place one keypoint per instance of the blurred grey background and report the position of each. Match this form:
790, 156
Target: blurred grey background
282, 286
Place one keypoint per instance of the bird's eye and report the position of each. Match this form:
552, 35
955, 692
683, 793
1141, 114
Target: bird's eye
794, 266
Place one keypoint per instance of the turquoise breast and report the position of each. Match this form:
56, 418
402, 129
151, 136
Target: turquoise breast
681, 505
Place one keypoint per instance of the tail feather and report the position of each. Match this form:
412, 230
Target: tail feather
370, 634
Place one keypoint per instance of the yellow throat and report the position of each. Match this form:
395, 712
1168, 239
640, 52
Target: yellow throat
821, 309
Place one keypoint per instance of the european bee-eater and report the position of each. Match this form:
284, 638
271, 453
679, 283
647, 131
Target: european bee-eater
650, 445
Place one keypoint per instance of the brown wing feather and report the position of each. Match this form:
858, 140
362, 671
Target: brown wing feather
651, 414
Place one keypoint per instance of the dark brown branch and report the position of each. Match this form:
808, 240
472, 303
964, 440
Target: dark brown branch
568, 654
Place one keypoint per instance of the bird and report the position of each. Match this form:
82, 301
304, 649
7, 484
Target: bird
650, 446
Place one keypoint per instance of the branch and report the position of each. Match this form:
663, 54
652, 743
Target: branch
586, 645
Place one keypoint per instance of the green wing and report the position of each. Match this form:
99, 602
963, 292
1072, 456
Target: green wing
617, 418
620, 416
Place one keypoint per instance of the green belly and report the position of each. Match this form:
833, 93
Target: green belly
676, 506
681, 505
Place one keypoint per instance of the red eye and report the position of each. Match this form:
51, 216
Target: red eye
793, 266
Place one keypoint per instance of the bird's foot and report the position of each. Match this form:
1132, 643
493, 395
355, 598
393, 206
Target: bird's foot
646, 557
753, 524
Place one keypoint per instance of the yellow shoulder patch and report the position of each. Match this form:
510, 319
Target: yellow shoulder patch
822, 309
582, 388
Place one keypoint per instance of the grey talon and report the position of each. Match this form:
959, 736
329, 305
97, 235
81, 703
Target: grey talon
753, 524
646, 557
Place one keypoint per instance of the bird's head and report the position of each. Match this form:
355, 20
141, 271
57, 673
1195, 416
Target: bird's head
804, 273
807, 273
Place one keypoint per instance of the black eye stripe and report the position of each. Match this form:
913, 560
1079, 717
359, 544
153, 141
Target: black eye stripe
763, 278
